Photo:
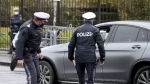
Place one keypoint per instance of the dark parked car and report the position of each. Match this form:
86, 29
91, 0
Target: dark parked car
127, 45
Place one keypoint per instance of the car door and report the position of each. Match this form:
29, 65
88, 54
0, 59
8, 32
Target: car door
106, 33
126, 46
70, 70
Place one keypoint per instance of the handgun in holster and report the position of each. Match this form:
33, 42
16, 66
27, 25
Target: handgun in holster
28, 52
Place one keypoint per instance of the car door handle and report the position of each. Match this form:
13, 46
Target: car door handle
136, 46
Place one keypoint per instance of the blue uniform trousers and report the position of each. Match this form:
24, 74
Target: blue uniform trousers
91, 69
31, 65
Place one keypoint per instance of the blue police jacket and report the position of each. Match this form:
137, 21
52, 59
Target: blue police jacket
15, 22
29, 37
84, 40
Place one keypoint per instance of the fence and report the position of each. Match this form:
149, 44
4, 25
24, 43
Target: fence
70, 11
58, 35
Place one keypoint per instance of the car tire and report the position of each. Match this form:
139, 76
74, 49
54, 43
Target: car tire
47, 75
142, 75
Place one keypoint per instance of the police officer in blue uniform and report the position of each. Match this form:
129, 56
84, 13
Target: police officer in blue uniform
84, 40
28, 49
15, 23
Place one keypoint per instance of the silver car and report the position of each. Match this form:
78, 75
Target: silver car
127, 45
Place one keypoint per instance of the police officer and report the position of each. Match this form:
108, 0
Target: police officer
15, 22
84, 40
28, 46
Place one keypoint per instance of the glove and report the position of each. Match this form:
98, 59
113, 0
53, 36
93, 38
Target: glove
13, 63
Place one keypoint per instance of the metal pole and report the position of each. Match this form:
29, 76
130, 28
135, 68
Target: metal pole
51, 38
99, 11
55, 11
58, 13
54, 23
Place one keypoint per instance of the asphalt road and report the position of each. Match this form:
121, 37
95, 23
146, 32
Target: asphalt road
12, 77
7, 76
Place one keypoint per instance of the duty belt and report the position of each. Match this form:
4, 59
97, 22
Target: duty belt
31, 50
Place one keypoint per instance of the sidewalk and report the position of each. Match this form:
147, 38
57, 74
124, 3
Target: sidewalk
5, 59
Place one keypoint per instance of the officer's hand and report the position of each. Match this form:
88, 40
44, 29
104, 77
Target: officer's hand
20, 63
41, 56
14, 53
101, 62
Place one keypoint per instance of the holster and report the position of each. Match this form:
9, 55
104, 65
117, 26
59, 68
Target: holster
27, 52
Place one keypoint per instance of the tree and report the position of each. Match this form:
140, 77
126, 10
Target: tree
134, 9
127, 9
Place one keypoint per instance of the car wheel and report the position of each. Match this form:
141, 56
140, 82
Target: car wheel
46, 73
142, 76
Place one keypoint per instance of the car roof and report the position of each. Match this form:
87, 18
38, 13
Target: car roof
140, 23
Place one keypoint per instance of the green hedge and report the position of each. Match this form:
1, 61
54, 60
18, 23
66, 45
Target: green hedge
4, 37
65, 36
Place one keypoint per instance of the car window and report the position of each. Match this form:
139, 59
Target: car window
142, 36
103, 34
104, 31
149, 35
126, 34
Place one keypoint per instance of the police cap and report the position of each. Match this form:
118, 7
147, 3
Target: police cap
41, 15
89, 15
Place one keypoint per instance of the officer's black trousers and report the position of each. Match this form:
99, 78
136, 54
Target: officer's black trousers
90, 67
31, 65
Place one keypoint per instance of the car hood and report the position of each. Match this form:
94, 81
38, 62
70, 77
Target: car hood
54, 47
